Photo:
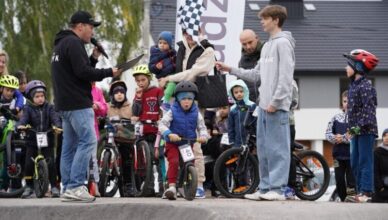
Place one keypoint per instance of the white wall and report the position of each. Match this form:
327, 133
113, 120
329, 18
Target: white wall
311, 123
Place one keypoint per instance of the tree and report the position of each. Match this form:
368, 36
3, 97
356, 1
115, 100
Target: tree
28, 28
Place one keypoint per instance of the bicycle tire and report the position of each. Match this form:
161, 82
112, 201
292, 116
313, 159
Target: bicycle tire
143, 171
104, 174
190, 182
41, 181
304, 182
219, 177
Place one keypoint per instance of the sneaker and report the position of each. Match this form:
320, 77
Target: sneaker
27, 192
254, 196
363, 198
129, 191
78, 194
289, 193
273, 196
216, 193
54, 192
170, 193
200, 194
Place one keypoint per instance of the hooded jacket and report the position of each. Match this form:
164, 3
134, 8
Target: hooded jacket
99, 100
381, 168
249, 61
72, 73
167, 58
236, 131
275, 70
192, 62
41, 118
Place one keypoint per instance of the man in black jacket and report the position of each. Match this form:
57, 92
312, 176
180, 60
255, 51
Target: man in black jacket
72, 74
250, 54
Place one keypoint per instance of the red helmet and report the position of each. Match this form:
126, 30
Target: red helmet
368, 60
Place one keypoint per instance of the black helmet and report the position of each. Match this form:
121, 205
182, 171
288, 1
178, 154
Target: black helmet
186, 86
115, 84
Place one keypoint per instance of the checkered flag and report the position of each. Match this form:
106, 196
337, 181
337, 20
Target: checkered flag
189, 17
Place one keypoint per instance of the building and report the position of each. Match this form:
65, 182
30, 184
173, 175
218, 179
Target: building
324, 30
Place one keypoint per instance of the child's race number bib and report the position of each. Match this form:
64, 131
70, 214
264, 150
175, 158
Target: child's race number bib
41, 139
186, 152
225, 139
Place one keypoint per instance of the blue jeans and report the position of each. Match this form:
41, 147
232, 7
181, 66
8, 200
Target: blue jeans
273, 150
79, 141
361, 159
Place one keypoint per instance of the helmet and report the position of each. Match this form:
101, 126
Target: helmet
142, 69
35, 85
186, 86
362, 60
9, 81
115, 84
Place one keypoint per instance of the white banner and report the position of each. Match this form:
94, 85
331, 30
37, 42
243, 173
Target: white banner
222, 23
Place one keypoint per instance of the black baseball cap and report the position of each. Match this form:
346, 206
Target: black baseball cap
83, 17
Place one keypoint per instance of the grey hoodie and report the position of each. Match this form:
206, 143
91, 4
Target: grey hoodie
275, 70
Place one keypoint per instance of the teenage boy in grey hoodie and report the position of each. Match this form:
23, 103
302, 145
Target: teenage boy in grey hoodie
275, 70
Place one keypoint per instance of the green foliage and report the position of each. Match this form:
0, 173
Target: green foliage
28, 28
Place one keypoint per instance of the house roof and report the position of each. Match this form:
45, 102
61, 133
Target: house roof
322, 36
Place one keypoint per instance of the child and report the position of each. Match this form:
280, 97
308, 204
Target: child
362, 123
146, 109
41, 116
100, 108
22, 77
8, 86
162, 63
121, 108
182, 120
237, 132
336, 134
239, 92
381, 170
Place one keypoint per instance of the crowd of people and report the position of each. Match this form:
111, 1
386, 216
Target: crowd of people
265, 86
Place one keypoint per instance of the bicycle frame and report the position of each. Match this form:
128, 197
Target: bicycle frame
115, 159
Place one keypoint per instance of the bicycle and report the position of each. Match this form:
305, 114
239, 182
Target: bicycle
234, 164
187, 177
111, 160
41, 171
11, 156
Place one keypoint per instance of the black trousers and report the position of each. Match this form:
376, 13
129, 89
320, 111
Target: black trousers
343, 177
48, 153
292, 174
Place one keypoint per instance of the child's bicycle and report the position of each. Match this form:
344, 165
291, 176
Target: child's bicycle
236, 164
11, 159
188, 178
41, 173
111, 178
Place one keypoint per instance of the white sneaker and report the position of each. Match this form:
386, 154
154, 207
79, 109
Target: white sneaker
273, 196
254, 196
78, 194
170, 193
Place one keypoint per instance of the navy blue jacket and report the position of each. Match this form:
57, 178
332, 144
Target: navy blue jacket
41, 118
339, 125
167, 59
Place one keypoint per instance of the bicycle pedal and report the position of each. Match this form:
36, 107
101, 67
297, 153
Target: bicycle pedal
232, 160
240, 189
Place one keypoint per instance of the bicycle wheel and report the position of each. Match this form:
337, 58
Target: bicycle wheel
41, 181
190, 181
104, 174
312, 175
142, 168
231, 178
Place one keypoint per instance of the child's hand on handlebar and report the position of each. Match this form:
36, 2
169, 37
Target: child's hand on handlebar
202, 140
22, 127
57, 130
174, 137
156, 153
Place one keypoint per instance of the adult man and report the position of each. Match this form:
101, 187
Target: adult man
275, 70
250, 54
193, 60
72, 74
